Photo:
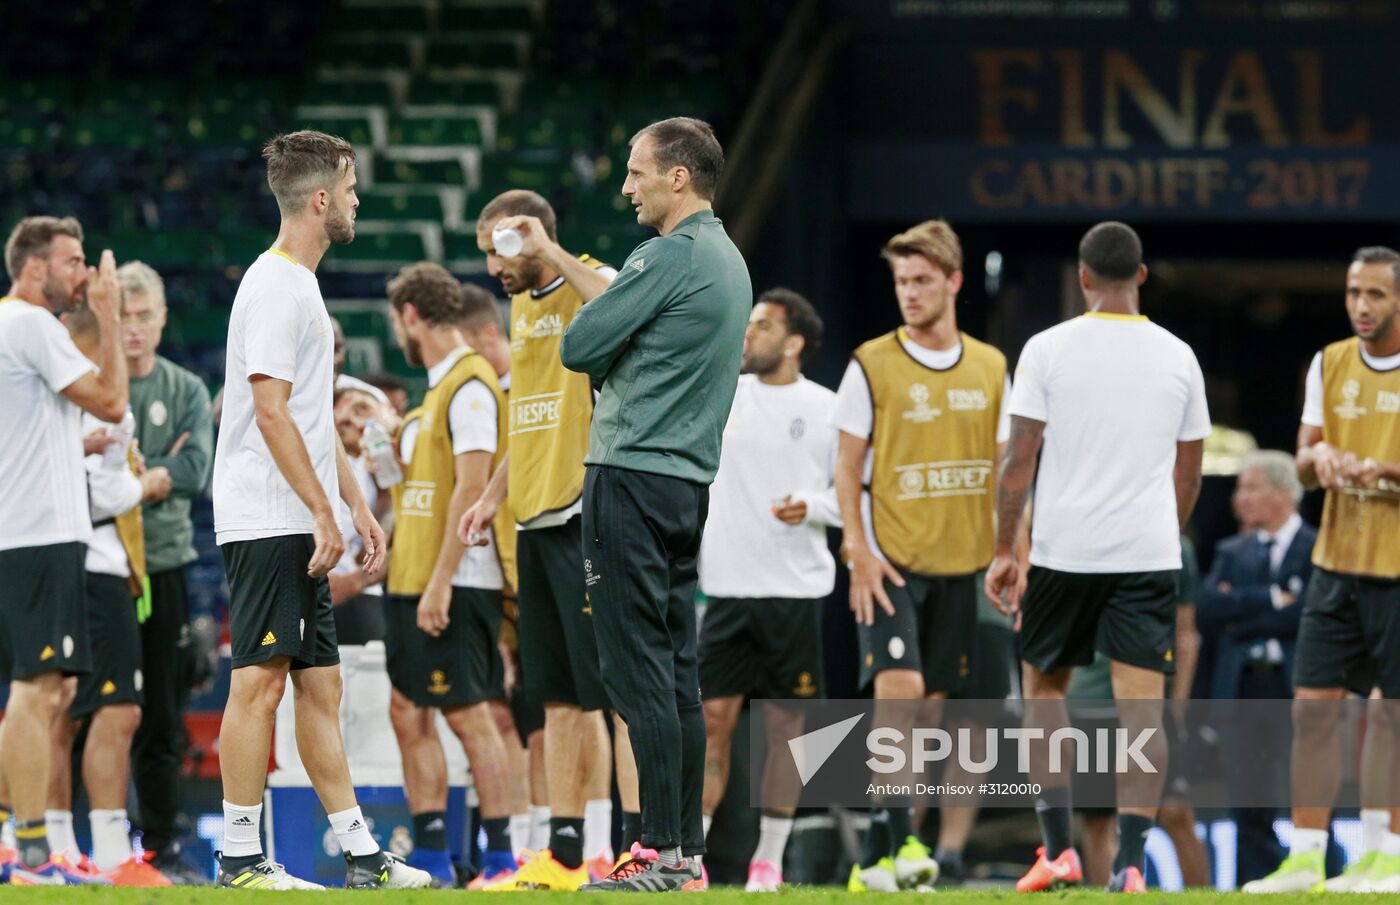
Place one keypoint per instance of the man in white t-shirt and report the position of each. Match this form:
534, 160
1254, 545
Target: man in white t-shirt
764, 561
922, 418
357, 595
45, 385
278, 469
1115, 407
443, 612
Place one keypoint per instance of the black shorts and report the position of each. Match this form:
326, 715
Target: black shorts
527, 714
932, 630
461, 666
558, 649
1349, 636
43, 611
1128, 616
275, 608
115, 638
767, 647
360, 620
993, 663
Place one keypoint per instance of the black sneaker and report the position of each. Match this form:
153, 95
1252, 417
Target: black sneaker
171, 862
383, 870
639, 875
951, 869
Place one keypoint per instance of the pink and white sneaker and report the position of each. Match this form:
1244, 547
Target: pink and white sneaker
764, 876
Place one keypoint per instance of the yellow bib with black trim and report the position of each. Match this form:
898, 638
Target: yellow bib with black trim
551, 407
133, 538
1360, 533
422, 500
934, 443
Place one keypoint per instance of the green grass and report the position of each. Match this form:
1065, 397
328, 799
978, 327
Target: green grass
727, 896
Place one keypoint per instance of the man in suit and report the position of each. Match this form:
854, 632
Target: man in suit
1249, 602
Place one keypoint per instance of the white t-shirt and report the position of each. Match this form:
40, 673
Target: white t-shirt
1116, 395
471, 419
44, 500
778, 442
112, 491
855, 415
354, 546
279, 328
1312, 393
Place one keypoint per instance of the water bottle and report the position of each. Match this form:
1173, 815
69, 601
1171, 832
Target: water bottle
114, 456
380, 450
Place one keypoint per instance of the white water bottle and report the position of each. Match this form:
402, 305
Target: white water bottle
507, 242
119, 436
380, 450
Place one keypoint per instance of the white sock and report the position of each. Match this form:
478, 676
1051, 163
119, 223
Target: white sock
705, 821
773, 835
1374, 823
539, 827
671, 857
59, 826
1305, 841
1391, 846
597, 828
352, 831
242, 826
111, 846
519, 834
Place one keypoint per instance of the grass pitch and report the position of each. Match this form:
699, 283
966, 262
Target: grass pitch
797, 895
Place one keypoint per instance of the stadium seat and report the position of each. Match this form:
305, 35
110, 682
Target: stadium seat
479, 17
378, 204
460, 247
473, 52
571, 131
435, 130
353, 127
366, 91
383, 16
420, 172
396, 247
439, 89
368, 52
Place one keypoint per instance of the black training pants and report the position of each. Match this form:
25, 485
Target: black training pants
159, 747
641, 536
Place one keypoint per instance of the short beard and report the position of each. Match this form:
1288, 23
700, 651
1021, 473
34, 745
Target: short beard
762, 366
340, 229
58, 301
1380, 329
412, 352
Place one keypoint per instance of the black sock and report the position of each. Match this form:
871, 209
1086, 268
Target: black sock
497, 833
901, 828
631, 829
1132, 838
32, 839
1053, 811
430, 831
231, 864
877, 841
566, 840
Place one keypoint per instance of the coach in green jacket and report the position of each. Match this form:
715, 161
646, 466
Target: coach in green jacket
175, 429
664, 342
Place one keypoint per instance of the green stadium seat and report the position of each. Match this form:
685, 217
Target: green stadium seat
609, 242
241, 247
461, 247
350, 92
242, 96
435, 130
146, 95
541, 95
570, 132
370, 52
44, 95
382, 16
378, 204
170, 248
199, 326
22, 130
419, 172
437, 90
220, 130
476, 17
111, 132
352, 127
542, 173
601, 204
403, 247
474, 52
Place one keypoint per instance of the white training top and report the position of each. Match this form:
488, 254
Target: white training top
471, 418
354, 546
778, 442
855, 415
41, 457
279, 328
1312, 393
112, 490
1116, 394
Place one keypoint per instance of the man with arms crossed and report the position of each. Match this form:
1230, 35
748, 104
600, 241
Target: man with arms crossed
443, 614
551, 408
278, 467
664, 342
764, 561
1349, 636
45, 525
921, 413
175, 432
1115, 408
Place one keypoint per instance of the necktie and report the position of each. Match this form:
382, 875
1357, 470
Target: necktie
1266, 567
